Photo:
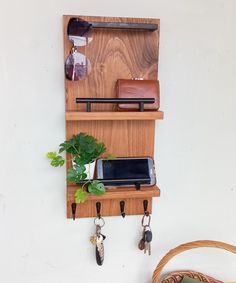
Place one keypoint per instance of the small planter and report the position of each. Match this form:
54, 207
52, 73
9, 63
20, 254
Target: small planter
84, 148
90, 169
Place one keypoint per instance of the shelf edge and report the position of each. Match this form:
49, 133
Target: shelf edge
110, 195
100, 116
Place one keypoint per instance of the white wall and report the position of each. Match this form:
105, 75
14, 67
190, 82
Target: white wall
195, 145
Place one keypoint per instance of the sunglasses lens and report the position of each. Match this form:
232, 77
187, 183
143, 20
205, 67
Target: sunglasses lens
77, 67
79, 32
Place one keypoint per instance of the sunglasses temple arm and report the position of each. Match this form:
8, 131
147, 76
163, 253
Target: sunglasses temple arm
73, 73
87, 29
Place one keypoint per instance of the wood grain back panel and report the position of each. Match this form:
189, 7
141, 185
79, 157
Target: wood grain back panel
122, 138
114, 54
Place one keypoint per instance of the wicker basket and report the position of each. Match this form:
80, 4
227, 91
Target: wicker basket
175, 277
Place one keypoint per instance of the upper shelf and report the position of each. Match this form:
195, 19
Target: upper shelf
100, 116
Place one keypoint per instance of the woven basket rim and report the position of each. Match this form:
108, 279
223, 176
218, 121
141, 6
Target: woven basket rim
187, 246
192, 274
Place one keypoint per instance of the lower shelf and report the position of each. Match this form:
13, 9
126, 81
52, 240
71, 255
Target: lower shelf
110, 201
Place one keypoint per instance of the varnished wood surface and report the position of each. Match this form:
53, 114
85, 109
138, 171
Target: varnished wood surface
110, 207
110, 202
119, 193
122, 138
88, 116
114, 54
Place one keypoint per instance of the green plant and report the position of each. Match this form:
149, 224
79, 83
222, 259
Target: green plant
83, 149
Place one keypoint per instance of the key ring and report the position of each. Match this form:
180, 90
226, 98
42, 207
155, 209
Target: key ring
99, 221
149, 220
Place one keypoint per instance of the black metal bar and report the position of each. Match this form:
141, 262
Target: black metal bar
88, 107
113, 25
140, 101
115, 100
141, 106
122, 208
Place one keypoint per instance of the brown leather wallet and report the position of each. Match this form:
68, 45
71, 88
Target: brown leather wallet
138, 89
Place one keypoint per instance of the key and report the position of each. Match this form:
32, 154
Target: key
148, 248
141, 244
148, 236
148, 239
98, 238
100, 249
93, 238
98, 229
145, 243
99, 245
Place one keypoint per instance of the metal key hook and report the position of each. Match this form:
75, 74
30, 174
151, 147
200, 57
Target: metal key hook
144, 222
99, 221
98, 208
73, 209
122, 208
145, 207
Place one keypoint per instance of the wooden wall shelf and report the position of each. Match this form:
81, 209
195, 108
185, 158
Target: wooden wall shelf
121, 48
110, 201
89, 116
119, 193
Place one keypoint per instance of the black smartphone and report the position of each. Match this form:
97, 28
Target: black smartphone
126, 169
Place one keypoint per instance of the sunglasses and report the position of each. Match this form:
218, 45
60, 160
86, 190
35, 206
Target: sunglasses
77, 65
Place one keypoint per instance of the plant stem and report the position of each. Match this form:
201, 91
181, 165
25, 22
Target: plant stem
76, 150
89, 179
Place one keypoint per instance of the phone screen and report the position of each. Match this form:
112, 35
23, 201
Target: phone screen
125, 169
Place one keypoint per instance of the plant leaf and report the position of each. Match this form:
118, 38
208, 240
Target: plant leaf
78, 160
79, 168
80, 196
83, 146
69, 146
76, 174
51, 154
72, 175
56, 160
97, 188
110, 156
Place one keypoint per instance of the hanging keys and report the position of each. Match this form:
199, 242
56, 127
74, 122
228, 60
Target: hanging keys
141, 244
145, 242
100, 249
97, 240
